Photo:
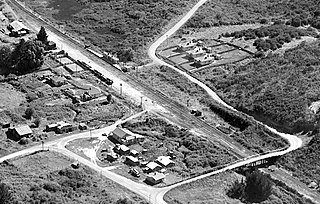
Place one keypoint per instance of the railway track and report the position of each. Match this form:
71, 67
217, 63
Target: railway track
174, 107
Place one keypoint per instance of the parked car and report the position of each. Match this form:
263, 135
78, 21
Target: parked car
134, 172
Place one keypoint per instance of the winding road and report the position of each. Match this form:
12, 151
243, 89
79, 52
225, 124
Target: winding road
153, 195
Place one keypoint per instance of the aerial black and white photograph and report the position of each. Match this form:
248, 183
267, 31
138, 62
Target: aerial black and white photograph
159, 102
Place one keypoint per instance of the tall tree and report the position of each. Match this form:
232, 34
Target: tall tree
258, 187
42, 35
28, 56
5, 53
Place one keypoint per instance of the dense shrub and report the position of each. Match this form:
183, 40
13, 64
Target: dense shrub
278, 35
256, 188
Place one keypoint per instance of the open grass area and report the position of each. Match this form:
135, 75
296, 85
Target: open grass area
46, 177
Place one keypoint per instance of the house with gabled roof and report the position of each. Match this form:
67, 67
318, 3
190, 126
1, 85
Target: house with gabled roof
16, 133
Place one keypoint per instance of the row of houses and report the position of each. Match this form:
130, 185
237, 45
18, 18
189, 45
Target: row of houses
197, 52
153, 168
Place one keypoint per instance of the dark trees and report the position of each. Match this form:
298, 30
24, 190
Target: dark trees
27, 56
28, 113
5, 53
126, 55
258, 187
5, 195
42, 35
237, 190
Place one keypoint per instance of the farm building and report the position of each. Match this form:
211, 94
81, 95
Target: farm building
165, 161
155, 178
134, 153
18, 29
16, 133
206, 59
189, 45
196, 52
121, 149
60, 127
123, 136
112, 157
152, 166
56, 81
132, 161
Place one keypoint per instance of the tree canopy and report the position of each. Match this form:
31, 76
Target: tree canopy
42, 35
27, 56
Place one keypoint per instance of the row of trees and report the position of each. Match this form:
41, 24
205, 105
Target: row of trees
294, 12
277, 34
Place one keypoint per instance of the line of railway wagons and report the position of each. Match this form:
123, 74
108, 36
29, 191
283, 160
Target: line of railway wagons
95, 72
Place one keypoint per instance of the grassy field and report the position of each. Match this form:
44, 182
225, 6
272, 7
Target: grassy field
212, 190
47, 177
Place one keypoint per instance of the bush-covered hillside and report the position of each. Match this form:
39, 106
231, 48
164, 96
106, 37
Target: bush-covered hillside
277, 89
124, 25
276, 35
225, 12
304, 162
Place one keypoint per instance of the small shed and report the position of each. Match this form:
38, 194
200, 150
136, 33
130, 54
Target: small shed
118, 135
165, 161
122, 149
152, 166
130, 140
17, 29
155, 178
140, 138
132, 161
134, 153
56, 81
111, 157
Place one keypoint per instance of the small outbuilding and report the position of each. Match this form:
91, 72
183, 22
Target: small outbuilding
165, 161
131, 161
18, 29
152, 167
155, 178
111, 157
121, 149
